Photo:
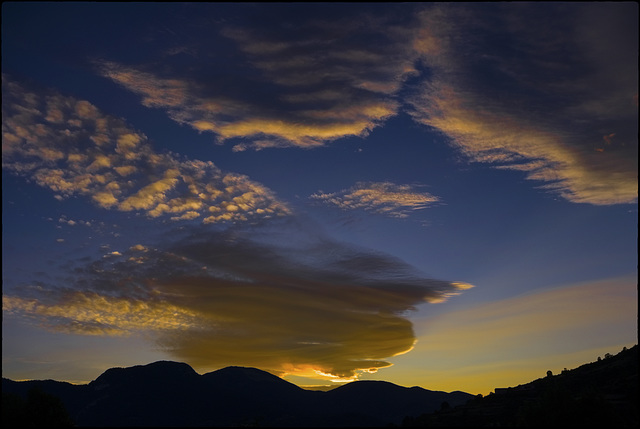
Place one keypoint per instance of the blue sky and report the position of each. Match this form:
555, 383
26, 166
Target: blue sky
329, 192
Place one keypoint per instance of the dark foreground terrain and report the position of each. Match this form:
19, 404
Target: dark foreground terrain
599, 394
173, 394
602, 393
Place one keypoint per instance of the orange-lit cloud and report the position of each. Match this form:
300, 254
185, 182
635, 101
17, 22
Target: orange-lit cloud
324, 83
538, 102
88, 313
512, 143
248, 297
230, 118
79, 150
380, 197
529, 106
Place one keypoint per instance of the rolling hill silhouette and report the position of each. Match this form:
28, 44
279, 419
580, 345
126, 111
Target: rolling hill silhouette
172, 394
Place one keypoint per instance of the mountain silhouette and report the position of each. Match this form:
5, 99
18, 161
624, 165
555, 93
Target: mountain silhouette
367, 402
159, 373
170, 394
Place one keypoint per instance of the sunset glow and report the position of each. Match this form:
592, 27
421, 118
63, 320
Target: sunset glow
431, 194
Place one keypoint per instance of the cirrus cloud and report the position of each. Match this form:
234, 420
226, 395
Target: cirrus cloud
384, 198
554, 96
545, 102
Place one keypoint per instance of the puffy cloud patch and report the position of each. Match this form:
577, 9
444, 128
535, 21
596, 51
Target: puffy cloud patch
85, 152
89, 313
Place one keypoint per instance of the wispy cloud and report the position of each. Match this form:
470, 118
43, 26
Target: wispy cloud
543, 101
280, 297
70, 147
384, 198
321, 83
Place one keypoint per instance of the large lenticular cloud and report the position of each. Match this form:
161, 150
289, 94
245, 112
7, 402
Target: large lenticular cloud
245, 296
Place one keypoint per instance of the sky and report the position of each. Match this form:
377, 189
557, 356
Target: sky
440, 195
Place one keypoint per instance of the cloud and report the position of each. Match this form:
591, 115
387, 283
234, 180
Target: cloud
70, 222
279, 296
380, 197
89, 313
291, 83
64, 219
80, 151
540, 101
534, 94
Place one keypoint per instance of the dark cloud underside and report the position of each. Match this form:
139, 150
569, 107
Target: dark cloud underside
243, 296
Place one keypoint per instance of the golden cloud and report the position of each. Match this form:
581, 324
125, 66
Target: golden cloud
93, 314
536, 113
248, 297
326, 84
542, 107
107, 167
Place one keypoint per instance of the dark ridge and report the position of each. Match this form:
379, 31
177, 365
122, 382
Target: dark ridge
387, 401
367, 385
245, 375
598, 394
171, 394
161, 372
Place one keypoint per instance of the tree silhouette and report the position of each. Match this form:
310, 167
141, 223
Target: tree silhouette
38, 410
13, 410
